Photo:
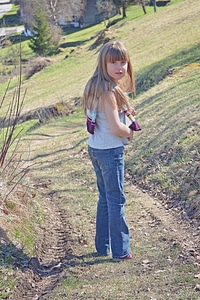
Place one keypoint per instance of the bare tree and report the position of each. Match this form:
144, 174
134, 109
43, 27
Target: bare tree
27, 13
123, 4
143, 6
56, 10
105, 8
153, 2
13, 159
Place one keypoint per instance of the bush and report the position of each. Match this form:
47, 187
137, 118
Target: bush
38, 64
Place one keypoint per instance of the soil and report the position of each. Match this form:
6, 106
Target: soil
43, 272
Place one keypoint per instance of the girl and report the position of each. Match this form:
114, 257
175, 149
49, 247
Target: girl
104, 102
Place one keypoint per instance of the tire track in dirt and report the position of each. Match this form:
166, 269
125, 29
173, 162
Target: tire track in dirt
183, 232
44, 271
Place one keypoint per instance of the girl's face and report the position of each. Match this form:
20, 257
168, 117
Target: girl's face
116, 70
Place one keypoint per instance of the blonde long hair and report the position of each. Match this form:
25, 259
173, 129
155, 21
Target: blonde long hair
101, 81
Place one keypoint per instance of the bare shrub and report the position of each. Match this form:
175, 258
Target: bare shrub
38, 64
102, 38
11, 169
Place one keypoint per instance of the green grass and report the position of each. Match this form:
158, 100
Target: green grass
164, 49
11, 18
65, 164
156, 52
163, 158
175, 105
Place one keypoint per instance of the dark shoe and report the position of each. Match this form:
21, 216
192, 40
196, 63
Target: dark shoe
129, 256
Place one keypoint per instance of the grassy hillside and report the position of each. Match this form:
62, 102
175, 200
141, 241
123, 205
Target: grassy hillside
165, 155
164, 49
163, 160
156, 42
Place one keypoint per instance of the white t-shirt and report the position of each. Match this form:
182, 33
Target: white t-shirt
103, 137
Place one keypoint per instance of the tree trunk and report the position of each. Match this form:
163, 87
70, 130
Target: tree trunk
123, 10
154, 5
143, 6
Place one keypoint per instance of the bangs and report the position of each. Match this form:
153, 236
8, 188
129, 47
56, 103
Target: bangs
117, 54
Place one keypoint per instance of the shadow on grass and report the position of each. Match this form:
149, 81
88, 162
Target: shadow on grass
152, 75
87, 259
18, 38
10, 20
13, 257
67, 32
74, 44
58, 151
10, 255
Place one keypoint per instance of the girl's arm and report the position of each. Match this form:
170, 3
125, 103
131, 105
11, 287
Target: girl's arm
111, 111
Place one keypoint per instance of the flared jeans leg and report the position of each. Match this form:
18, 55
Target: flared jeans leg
111, 227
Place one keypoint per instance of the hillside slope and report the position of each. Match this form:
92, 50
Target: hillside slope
48, 225
156, 43
165, 156
164, 48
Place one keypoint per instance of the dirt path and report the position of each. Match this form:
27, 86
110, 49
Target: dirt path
165, 246
42, 275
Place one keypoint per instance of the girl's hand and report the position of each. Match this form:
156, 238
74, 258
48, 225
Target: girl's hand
133, 111
131, 135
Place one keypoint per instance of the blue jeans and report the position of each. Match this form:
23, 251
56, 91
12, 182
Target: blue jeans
111, 228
